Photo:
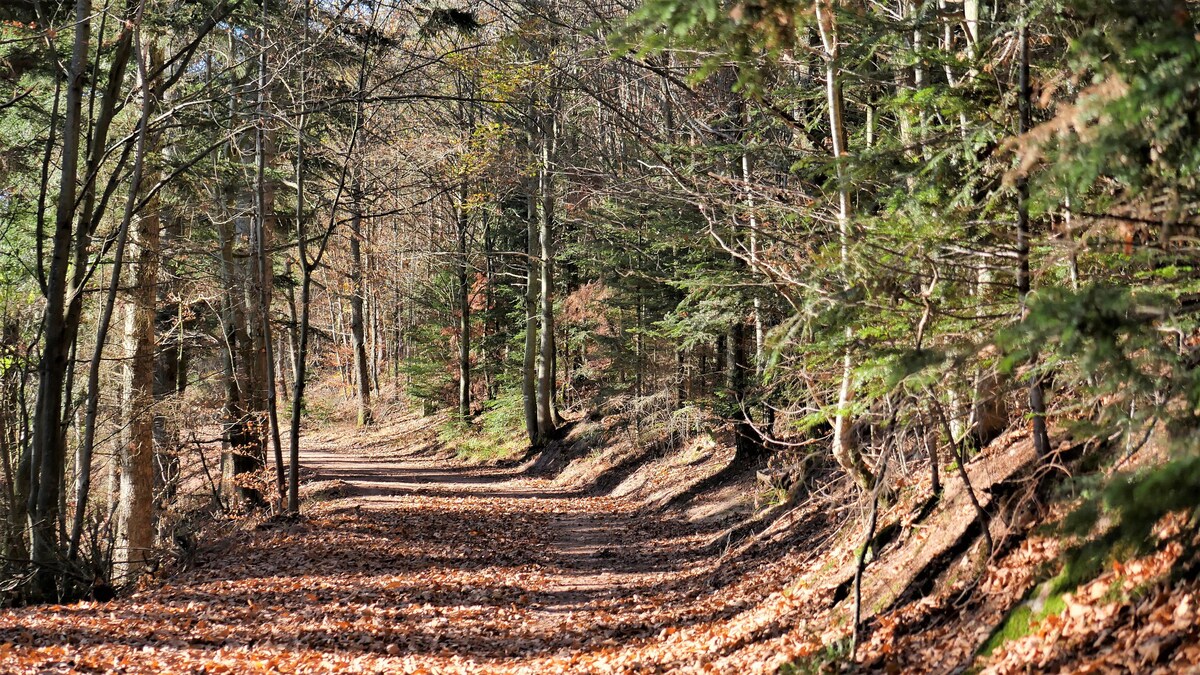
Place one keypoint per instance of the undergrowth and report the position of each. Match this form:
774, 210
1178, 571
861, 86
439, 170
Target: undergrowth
496, 433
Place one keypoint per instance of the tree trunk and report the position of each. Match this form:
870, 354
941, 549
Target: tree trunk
357, 320
491, 328
14, 544
264, 202
239, 445
135, 512
845, 448
293, 317
307, 266
135, 533
293, 491
528, 367
144, 238
746, 444
638, 344
49, 445
1037, 402
679, 379
464, 304
545, 367
300, 326
377, 341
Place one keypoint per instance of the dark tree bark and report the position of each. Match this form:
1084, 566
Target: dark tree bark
529, 363
362, 375
1037, 402
309, 264
49, 444
464, 306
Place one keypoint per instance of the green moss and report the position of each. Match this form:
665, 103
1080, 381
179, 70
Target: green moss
884, 601
768, 497
476, 445
1024, 618
834, 652
477, 449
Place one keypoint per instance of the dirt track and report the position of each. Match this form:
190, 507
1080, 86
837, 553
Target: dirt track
416, 564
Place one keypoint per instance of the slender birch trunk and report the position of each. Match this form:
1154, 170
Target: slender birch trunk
845, 448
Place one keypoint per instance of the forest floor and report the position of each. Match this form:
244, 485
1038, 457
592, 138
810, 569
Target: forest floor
410, 561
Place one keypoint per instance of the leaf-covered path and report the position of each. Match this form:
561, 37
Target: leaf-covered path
414, 564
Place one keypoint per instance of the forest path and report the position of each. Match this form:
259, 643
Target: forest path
591, 544
571, 572
416, 563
